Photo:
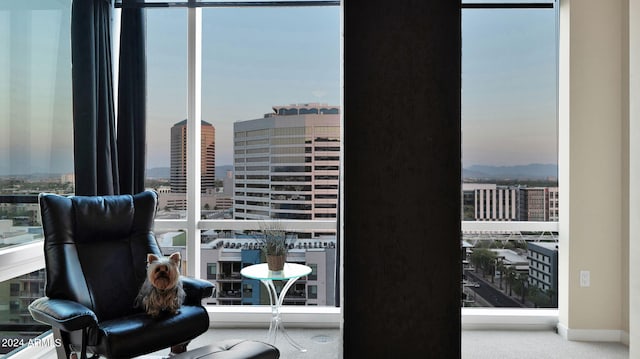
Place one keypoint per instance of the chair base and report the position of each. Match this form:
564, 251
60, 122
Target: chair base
232, 349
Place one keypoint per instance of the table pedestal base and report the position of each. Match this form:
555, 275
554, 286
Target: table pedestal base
276, 321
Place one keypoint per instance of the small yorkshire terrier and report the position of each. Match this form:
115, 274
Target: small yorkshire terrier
162, 289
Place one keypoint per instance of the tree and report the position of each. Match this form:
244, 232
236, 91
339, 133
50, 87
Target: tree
483, 259
501, 267
550, 293
511, 278
522, 286
535, 295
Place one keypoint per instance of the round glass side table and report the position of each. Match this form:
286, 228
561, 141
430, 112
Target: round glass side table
290, 273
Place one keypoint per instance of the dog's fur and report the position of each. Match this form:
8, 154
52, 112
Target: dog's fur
162, 289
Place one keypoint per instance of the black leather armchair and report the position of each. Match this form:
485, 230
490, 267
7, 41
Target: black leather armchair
95, 256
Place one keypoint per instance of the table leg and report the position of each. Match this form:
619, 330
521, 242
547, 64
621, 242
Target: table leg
275, 310
276, 321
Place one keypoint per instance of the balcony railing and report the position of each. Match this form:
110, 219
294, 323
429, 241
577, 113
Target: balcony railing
229, 276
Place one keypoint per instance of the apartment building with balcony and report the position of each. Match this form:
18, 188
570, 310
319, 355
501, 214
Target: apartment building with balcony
19, 293
15, 295
317, 289
223, 258
543, 268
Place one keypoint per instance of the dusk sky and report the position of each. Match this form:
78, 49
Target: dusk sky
509, 87
255, 58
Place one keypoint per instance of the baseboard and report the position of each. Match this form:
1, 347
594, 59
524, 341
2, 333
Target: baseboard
625, 338
593, 335
535, 319
509, 319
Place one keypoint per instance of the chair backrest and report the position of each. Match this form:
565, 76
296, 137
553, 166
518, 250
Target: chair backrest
96, 249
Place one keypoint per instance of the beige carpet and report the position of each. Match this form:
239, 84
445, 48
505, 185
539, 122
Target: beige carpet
476, 344
485, 344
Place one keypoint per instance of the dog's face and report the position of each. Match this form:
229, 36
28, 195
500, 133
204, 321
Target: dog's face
163, 273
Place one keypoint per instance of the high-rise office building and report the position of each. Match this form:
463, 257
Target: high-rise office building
287, 164
491, 202
554, 204
534, 204
179, 157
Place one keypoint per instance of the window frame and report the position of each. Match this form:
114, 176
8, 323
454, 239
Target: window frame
22, 259
222, 316
514, 318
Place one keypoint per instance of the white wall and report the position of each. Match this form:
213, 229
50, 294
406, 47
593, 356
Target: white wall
634, 178
593, 109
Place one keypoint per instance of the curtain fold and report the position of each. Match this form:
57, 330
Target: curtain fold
132, 101
107, 161
95, 160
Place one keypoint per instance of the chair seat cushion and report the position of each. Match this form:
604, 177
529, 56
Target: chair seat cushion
232, 349
139, 333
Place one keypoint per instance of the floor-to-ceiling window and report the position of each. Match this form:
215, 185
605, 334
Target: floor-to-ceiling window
259, 85
509, 154
35, 154
282, 196
221, 65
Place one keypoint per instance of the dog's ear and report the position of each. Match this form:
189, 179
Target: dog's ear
151, 258
175, 258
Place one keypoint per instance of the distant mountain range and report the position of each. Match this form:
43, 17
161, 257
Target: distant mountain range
530, 171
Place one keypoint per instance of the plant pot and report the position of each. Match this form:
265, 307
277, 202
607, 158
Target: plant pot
275, 263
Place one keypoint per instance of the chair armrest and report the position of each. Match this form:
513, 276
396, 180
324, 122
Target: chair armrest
196, 289
63, 314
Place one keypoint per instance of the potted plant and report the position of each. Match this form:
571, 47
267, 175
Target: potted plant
275, 245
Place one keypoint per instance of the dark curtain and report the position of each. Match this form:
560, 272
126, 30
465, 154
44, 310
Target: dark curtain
95, 159
132, 87
105, 161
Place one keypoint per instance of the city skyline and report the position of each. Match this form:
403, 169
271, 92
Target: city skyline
256, 58
252, 59
179, 157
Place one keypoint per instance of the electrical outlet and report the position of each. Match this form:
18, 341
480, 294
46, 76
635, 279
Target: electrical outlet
585, 278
